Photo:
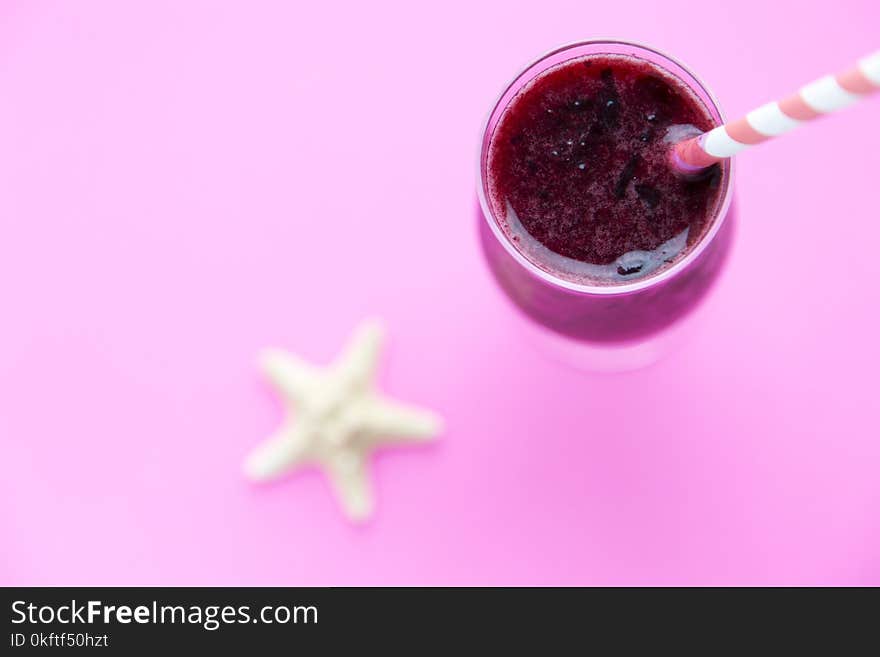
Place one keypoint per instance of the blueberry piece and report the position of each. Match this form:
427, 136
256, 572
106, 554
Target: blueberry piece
609, 113
609, 101
580, 104
626, 176
628, 271
650, 195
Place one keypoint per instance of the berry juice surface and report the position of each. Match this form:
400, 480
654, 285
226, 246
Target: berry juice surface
578, 170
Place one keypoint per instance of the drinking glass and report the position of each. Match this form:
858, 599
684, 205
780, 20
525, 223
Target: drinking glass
612, 326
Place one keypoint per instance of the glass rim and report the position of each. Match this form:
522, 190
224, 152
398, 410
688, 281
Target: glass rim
719, 217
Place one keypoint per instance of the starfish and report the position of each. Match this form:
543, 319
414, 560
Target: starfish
335, 418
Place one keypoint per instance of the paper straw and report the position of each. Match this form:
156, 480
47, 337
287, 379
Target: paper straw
825, 95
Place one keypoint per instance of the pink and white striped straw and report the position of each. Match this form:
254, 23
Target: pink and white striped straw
823, 96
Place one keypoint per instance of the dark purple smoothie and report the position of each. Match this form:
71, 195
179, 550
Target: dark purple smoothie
578, 173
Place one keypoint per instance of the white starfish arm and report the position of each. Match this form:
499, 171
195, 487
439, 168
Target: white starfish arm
385, 421
347, 470
290, 374
277, 454
357, 363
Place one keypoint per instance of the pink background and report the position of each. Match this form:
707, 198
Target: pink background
183, 183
